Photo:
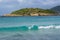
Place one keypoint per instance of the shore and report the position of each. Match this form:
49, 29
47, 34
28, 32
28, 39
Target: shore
36, 14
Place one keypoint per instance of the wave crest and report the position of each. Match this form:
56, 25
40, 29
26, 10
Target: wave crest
25, 28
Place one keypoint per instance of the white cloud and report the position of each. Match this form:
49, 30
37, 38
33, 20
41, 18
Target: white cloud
20, 0
37, 2
28, 3
48, 2
4, 1
1, 0
17, 4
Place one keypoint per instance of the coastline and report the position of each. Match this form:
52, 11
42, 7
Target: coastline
41, 14
32, 12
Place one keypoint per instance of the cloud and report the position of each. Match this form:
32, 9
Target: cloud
48, 2
0, 0
18, 4
20, 0
39, 2
9, 6
28, 3
25, 1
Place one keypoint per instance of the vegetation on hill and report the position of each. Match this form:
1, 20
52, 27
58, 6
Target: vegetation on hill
29, 11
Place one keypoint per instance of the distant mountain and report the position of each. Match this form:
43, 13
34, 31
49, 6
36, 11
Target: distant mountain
57, 9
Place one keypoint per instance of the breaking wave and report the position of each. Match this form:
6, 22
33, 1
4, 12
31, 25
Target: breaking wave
26, 28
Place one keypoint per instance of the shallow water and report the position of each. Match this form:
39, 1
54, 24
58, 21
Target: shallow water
30, 28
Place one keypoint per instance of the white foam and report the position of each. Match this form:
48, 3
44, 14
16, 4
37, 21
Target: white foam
49, 27
45, 27
57, 27
29, 27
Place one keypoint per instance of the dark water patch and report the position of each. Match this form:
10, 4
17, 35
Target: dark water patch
22, 28
34, 27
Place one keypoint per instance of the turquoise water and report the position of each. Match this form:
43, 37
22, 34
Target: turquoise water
30, 28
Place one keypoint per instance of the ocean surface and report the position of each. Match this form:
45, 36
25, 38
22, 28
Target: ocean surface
30, 28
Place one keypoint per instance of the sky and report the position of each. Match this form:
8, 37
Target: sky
7, 6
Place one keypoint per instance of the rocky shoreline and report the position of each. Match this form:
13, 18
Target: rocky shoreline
36, 14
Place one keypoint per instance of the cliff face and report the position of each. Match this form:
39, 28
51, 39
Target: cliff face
32, 12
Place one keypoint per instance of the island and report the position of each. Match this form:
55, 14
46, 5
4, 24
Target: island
33, 12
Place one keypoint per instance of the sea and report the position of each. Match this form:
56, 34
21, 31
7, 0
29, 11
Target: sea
30, 28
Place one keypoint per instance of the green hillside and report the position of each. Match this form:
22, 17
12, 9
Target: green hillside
29, 11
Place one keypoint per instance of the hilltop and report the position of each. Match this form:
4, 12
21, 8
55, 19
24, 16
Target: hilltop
57, 9
32, 12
